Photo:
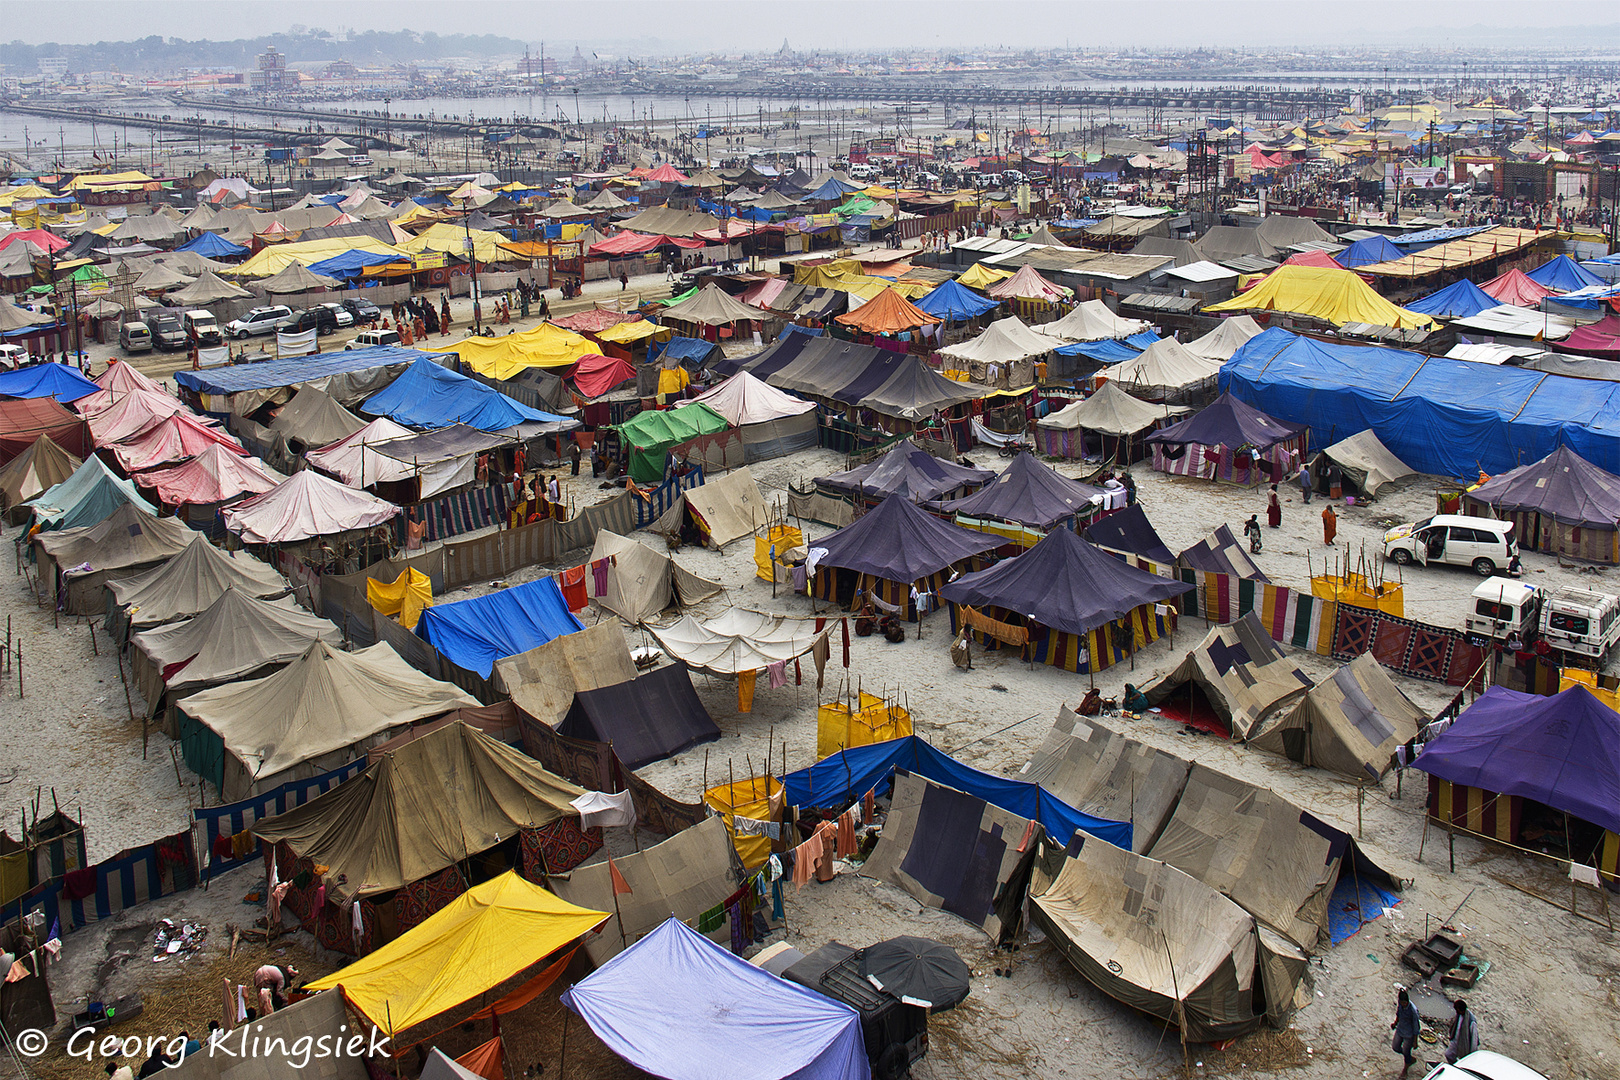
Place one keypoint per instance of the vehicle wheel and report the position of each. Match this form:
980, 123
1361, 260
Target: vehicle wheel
241, 335
1484, 567
1402, 556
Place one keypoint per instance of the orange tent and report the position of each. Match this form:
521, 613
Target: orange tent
887, 313
484, 1059
667, 174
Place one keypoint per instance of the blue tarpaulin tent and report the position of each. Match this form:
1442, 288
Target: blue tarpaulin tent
679, 1006
213, 246
1107, 351
1375, 249
1458, 300
955, 302
1440, 416
235, 378
349, 263
1565, 274
429, 396
839, 780
473, 634
59, 381
832, 191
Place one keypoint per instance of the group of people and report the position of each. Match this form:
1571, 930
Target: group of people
415, 319
1330, 517
1408, 1028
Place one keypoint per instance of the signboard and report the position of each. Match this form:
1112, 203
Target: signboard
430, 260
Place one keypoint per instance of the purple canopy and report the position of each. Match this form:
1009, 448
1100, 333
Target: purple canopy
1226, 421
1563, 485
898, 542
1563, 751
908, 471
1029, 493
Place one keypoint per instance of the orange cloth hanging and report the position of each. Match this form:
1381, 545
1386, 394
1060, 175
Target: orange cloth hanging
745, 690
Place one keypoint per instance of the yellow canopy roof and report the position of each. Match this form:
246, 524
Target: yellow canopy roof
27, 191
485, 936
106, 180
546, 345
277, 257
1335, 296
980, 276
845, 275
443, 236
626, 332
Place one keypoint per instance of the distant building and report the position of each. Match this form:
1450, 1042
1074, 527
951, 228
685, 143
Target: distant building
53, 67
272, 76
340, 69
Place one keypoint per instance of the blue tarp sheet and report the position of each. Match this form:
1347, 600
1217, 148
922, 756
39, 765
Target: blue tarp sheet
1459, 300
1437, 235
844, 777
1104, 352
679, 1006
1355, 903
684, 349
955, 303
1445, 417
271, 373
429, 396
349, 263
1366, 252
59, 381
213, 246
473, 634
1565, 274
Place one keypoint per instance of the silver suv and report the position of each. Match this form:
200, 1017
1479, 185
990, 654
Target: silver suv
260, 320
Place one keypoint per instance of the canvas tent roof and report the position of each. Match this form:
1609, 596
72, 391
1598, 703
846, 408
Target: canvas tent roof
914, 391
59, 381
1063, 583
1166, 365
233, 637
713, 306
1129, 530
171, 440
714, 1010
317, 1017
898, 542
295, 278
1109, 411
487, 935
954, 303
1563, 486
1029, 492
1004, 341
1563, 274
85, 498
646, 719
1226, 421
1220, 553
744, 399
1244, 675
23, 421
1027, 284
909, 471
474, 633
1091, 320
325, 702
1335, 296
1562, 751
543, 680
192, 581
887, 313
1283, 231
1226, 339
1460, 300
736, 640
116, 416
40, 467
214, 476
314, 418
729, 507
354, 457
1369, 463
127, 537
430, 396
642, 582
1350, 724
305, 506
209, 288
1515, 287
430, 804
653, 432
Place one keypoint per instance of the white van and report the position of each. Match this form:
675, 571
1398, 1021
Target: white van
1581, 621
1483, 543
1503, 609
134, 337
201, 327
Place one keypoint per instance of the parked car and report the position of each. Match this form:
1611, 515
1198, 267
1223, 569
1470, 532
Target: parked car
1483, 543
13, 356
201, 327
370, 338
134, 337
1484, 1065
320, 318
260, 320
362, 309
168, 332
1503, 609
344, 317
1580, 621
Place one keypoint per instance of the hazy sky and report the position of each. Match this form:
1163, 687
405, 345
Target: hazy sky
642, 27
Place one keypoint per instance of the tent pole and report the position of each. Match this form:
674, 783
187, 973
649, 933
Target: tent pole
562, 1054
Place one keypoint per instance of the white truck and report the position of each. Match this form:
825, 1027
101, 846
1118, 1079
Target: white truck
1580, 622
1504, 610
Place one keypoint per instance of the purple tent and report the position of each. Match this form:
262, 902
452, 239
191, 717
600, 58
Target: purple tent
1226, 421
1029, 493
898, 542
1563, 751
908, 471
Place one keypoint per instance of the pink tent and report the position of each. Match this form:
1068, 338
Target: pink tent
667, 174
1515, 287
179, 437
128, 414
1027, 284
214, 476
304, 507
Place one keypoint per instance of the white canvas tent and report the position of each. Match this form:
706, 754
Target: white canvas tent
772, 422
642, 582
1226, 339
737, 640
1091, 321
1004, 341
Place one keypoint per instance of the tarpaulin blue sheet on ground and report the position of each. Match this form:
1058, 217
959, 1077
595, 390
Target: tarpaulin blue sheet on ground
1440, 416
1355, 903
844, 777
473, 634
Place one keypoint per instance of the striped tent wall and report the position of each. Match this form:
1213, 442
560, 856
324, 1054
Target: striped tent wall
1220, 463
825, 586
1539, 532
229, 820
460, 512
1290, 616
133, 877
1075, 652
662, 497
1475, 809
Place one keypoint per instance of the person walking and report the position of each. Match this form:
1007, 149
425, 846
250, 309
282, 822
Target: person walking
1464, 1034
1406, 1026
1251, 529
1273, 508
1330, 525
574, 454
1305, 484
624, 281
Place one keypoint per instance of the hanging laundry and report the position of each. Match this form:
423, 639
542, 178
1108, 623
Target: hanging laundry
599, 577
572, 583
745, 690
601, 808
820, 652
712, 920
847, 845
777, 673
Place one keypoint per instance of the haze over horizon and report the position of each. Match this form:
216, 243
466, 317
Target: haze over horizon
673, 27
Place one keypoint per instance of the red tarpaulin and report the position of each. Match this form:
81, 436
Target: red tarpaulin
213, 476
629, 243
594, 321
49, 241
667, 174
596, 375
25, 419
1515, 287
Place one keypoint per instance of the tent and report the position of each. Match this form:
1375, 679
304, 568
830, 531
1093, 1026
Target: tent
213, 246
1074, 606
171, 440
1510, 748
897, 551
313, 418
24, 421
914, 391
594, 376
1229, 440
321, 1019
1166, 370
214, 476
1231, 682
652, 436
1005, 341
60, 381
887, 313
719, 512
1030, 492
715, 1013
1226, 339
1350, 724
737, 640
1129, 531
642, 582
234, 637
909, 471
545, 346
1459, 300
304, 507
294, 278
88, 496
1515, 287
119, 416
649, 718
422, 465
1600, 340
494, 931
1118, 419
1369, 250
191, 581
40, 467
76, 564
713, 306
1155, 938
1028, 284
252, 736
1334, 296
430, 396
472, 634
684, 876
432, 803
1225, 243
543, 680
1221, 553
770, 422
355, 459
1364, 461
209, 288
1562, 504
952, 302
1563, 274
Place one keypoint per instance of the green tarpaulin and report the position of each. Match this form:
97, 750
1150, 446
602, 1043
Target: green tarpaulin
651, 435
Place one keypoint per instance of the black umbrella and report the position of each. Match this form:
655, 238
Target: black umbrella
917, 971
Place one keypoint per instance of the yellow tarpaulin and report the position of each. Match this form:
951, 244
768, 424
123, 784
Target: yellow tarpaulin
1335, 296
759, 799
27, 191
980, 276
628, 333
1569, 677
277, 257
1354, 589
545, 346
452, 239
672, 380
875, 721
784, 538
405, 596
104, 181
483, 937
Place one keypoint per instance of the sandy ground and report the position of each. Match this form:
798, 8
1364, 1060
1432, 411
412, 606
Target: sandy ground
1549, 998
